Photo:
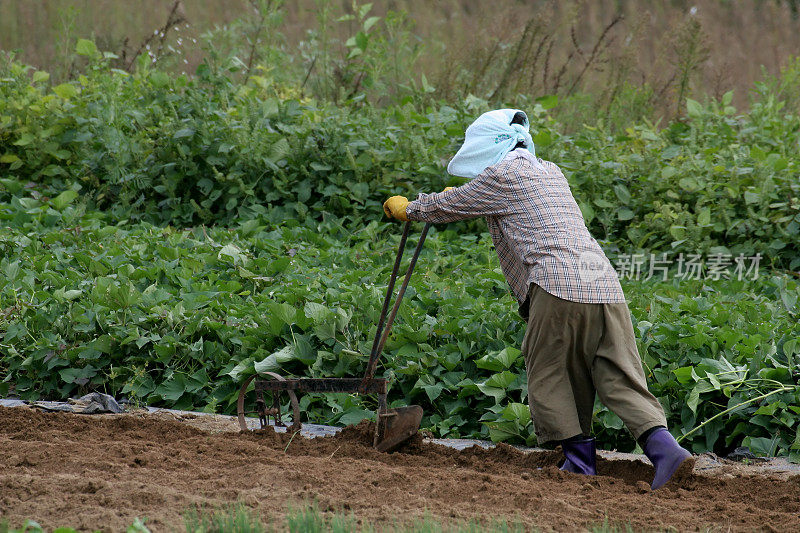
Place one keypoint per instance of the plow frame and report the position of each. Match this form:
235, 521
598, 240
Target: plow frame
393, 426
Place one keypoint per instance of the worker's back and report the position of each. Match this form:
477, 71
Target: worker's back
542, 237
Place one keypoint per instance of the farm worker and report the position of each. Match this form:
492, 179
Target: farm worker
579, 338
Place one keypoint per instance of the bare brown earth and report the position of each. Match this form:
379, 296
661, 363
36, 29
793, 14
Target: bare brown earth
100, 472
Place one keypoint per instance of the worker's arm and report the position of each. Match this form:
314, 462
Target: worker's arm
487, 195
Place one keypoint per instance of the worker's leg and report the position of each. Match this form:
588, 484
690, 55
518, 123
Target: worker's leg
560, 391
621, 386
617, 373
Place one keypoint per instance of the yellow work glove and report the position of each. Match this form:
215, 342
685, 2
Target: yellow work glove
448, 189
395, 207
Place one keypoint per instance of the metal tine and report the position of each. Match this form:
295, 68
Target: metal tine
388, 328
390, 289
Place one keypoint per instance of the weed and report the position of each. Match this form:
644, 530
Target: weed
232, 519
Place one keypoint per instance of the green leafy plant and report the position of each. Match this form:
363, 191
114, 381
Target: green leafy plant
165, 237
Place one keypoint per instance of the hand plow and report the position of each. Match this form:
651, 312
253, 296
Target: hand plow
393, 427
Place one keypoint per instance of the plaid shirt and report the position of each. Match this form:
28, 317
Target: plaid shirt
537, 229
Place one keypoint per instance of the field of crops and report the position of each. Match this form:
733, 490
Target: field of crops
165, 236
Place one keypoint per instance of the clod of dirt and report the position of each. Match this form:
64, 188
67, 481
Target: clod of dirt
362, 433
63, 469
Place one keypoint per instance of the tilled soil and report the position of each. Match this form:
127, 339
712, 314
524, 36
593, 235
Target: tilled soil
101, 472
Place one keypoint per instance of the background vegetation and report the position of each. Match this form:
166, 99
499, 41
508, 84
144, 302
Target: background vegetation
607, 54
166, 234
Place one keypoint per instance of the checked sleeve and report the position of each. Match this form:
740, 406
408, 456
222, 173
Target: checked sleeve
486, 195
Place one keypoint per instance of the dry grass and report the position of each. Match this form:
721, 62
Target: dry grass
44, 31
492, 49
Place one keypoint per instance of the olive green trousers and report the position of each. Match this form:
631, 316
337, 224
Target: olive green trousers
574, 350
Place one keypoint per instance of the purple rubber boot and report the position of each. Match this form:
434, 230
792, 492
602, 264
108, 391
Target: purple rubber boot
580, 456
667, 457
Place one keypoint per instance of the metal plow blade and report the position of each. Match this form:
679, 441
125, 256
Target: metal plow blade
395, 426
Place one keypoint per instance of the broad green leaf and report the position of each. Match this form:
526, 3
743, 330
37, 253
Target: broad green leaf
548, 102
80, 376
284, 312
693, 399
433, 391
24, 140
780, 373
370, 22
64, 199
85, 48
172, 390
603, 204
354, 416
279, 150
317, 312
792, 346
235, 253
274, 360
588, 212
159, 79
727, 98
762, 446
768, 409
497, 393
519, 412
779, 164
362, 40
303, 350
751, 197
694, 108
183, 132
499, 360
427, 87
65, 295
542, 139
40, 76
689, 184
508, 356
364, 9
704, 217
502, 430
65, 90
241, 370
501, 380
622, 193
669, 153
625, 213
684, 374
611, 420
